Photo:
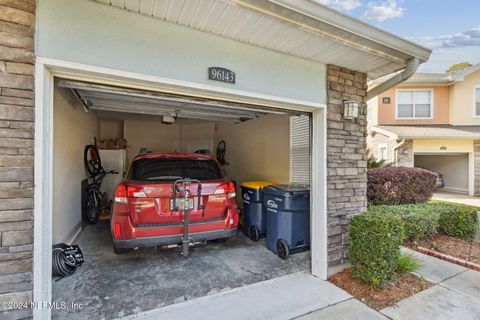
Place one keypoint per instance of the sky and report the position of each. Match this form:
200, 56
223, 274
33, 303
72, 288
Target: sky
450, 27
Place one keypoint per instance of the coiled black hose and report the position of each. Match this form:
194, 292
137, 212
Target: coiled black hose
65, 259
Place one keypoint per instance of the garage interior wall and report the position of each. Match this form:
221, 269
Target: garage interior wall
182, 136
258, 149
111, 128
73, 129
453, 167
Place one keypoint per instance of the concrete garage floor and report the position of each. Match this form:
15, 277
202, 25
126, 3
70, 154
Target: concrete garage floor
110, 286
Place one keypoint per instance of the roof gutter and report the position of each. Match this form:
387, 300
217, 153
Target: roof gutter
410, 69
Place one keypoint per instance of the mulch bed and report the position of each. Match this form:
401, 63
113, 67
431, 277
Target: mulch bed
454, 247
402, 287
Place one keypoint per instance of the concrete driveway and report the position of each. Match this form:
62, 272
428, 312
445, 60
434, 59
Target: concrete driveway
456, 294
301, 296
457, 198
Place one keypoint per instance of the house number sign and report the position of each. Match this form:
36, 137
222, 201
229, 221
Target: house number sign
221, 74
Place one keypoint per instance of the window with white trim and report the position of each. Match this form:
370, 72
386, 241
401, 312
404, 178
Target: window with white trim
382, 152
477, 101
414, 104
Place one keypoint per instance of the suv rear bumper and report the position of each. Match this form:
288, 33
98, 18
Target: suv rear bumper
173, 239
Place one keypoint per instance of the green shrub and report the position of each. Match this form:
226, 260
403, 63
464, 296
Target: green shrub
421, 220
408, 263
374, 247
456, 220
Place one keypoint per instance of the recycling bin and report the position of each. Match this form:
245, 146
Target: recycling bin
255, 225
287, 209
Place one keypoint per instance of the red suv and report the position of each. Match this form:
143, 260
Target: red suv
142, 212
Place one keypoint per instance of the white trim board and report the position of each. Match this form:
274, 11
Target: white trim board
475, 88
45, 71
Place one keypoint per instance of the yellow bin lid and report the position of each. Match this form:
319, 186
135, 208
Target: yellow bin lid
255, 184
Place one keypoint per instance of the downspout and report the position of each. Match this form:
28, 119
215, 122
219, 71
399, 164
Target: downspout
410, 69
395, 151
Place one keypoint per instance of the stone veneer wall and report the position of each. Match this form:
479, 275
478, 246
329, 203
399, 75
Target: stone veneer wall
405, 155
17, 21
347, 158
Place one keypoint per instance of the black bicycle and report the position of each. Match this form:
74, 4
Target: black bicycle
94, 200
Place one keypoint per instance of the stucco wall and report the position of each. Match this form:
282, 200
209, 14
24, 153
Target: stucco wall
96, 34
258, 149
461, 97
386, 112
73, 129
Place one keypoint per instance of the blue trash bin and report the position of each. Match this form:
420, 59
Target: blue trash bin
287, 210
255, 224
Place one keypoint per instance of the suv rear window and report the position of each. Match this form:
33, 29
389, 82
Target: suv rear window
163, 169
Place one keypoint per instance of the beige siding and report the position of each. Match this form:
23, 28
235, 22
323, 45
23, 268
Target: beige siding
442, 145
461, 100
376, 140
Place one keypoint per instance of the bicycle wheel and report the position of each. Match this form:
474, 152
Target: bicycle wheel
91, 160
92, 205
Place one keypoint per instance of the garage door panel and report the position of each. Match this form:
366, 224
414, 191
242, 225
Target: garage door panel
454, 167
110, 98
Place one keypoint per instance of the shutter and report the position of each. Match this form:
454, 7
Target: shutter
300, 146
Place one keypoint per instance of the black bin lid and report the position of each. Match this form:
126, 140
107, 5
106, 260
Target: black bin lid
287, 190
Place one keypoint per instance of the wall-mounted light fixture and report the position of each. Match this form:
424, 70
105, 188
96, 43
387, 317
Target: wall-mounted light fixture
350, 110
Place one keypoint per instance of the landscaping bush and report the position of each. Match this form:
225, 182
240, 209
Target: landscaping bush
421, 221
400, 185
374, 247
408, 263
456, 220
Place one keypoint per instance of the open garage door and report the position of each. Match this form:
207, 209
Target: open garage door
115, 99
453, 167
260, 143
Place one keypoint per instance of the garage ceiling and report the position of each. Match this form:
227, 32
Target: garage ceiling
117, 99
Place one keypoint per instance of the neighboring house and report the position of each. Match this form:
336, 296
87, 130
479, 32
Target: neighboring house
431, 121
288, 57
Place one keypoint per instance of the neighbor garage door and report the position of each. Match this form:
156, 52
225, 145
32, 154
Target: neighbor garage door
454, 168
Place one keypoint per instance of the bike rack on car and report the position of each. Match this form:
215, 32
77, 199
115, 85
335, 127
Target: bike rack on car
183, 186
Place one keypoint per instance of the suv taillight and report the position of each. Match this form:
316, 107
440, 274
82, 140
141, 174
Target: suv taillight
135, 192
121, 194
228, 188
